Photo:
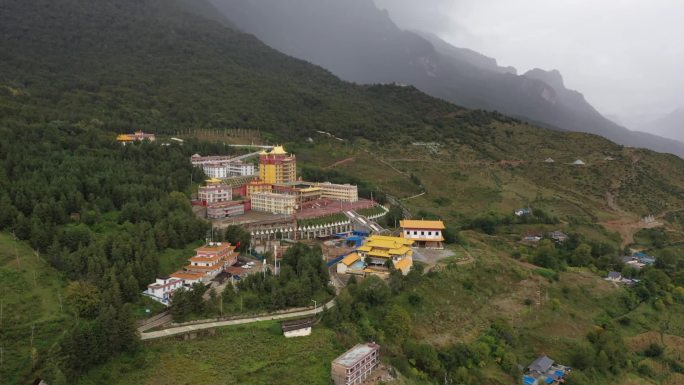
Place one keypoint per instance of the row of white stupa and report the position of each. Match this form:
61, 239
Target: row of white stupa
304, 228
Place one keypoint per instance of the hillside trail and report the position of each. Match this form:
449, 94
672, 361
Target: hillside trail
627, 226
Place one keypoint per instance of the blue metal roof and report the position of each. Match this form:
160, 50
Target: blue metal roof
335, 261
527, 380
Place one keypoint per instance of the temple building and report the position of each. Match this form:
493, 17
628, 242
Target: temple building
378, 249
277, 166
137, 136
426, 234
274, 203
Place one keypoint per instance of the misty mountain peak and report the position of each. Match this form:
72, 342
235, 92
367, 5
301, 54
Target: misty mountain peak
552, 78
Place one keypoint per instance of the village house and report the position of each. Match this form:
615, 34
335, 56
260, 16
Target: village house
558, 236
356, 365
379, 249
614, 276
545, 371
163, 288
632, 262
617, 278
532, 238
427, 234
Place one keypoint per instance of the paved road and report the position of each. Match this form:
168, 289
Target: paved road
210, 325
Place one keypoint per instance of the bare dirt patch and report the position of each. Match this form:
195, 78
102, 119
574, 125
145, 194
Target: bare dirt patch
431, 257
627, 228
674, 379
642, 341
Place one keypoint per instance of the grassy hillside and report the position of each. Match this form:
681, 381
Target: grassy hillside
31, 299
451, 308
152, 65
257, 354
71, 74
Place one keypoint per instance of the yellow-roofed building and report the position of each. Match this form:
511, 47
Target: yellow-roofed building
378, 249
426, 234
277, 166
351, 264
137, 136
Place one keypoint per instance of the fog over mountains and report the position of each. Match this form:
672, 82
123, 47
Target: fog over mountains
359, 42
669, 126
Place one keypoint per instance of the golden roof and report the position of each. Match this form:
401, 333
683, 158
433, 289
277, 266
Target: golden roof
278, 150
420, 224
400, 251
404, 263
351, 258
378, 253
124, 138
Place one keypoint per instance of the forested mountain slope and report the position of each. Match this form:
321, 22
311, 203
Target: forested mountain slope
360, 43
153, 65
74, 73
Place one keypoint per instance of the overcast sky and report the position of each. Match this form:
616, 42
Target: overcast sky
625, 56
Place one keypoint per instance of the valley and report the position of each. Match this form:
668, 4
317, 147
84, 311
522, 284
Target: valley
546, 249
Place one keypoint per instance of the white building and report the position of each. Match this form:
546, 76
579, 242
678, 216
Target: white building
215, 193
240, 168
338, 192
225, 210
426, 234
163, 288
215, 170
274, 203
222, 167
356, 365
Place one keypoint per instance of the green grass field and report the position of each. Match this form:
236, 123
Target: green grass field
172, 260
32, 318
251, 354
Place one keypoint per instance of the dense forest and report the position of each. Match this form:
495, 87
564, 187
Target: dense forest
73, 74
302, 278
100, 213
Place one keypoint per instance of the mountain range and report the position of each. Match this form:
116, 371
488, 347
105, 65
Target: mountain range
360, 43
669, 126
74, 73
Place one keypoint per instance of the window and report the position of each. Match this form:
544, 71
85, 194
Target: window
422, 233
429, 232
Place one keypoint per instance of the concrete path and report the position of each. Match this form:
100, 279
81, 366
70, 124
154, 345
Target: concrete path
210, 325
